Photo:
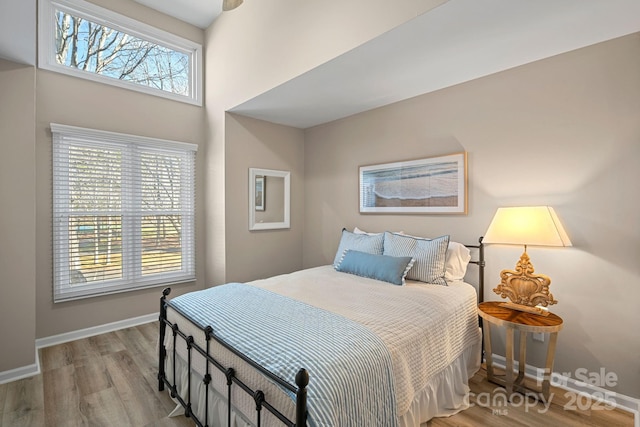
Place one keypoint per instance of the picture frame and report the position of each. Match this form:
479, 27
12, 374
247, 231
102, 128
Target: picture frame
260, 189
434, 185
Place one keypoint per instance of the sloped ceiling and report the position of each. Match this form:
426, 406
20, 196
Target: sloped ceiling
456, 42
18, 31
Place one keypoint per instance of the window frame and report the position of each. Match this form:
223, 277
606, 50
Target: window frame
132, 277
116, 21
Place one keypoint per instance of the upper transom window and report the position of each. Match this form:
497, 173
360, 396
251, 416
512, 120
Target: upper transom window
85, 40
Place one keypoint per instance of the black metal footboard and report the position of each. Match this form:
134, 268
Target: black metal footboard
302, 377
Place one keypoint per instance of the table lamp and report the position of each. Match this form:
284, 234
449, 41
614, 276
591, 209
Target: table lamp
531, 225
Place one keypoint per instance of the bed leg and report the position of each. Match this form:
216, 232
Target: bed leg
208, 331
481, 266
302, 380
162, 351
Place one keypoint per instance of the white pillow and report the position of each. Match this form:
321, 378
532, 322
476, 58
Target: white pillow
457, 260
356, 230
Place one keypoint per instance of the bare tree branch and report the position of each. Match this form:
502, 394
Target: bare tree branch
93, 47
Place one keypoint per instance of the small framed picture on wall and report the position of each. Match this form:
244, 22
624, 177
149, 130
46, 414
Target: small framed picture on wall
260, 193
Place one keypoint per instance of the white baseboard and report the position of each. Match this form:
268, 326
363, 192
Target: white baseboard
34, 369
95, 330
618, 400
21, 372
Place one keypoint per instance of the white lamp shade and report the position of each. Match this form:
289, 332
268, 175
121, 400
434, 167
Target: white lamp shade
531, 225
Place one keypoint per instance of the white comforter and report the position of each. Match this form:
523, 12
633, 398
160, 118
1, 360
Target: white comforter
425, 327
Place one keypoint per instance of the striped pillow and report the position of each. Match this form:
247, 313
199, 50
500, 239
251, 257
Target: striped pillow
371, 244
430, 256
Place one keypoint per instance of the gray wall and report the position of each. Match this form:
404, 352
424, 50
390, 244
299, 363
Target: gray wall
30, 100
255, 143
247, 52
17, 215
78, 102
562, 132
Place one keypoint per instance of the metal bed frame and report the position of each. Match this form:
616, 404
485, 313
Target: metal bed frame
302, 377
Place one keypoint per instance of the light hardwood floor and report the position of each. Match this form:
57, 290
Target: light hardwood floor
110, 380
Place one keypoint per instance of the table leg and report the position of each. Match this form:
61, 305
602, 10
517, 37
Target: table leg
488, 354
523, 357
509, 368
553, 338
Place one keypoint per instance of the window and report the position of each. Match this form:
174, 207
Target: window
123, 212
84, 40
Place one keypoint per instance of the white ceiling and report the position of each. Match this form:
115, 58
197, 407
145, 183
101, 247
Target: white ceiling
200, 13
458, 41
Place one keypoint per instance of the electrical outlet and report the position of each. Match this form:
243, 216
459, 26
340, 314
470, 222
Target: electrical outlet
538, 336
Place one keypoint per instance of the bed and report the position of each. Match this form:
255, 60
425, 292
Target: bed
335, 345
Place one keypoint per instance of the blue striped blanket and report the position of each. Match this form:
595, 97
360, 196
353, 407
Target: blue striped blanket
350, 368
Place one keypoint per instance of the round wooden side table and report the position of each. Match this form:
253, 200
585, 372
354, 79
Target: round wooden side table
513, 320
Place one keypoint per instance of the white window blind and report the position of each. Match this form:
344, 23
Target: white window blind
123, 212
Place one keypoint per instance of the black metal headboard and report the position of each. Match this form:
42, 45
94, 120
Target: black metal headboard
479, 261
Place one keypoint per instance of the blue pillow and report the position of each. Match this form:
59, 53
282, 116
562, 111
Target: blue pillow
429, 254
371, 244
380, 267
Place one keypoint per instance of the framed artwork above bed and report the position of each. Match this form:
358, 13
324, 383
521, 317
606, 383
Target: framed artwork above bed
435, 185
